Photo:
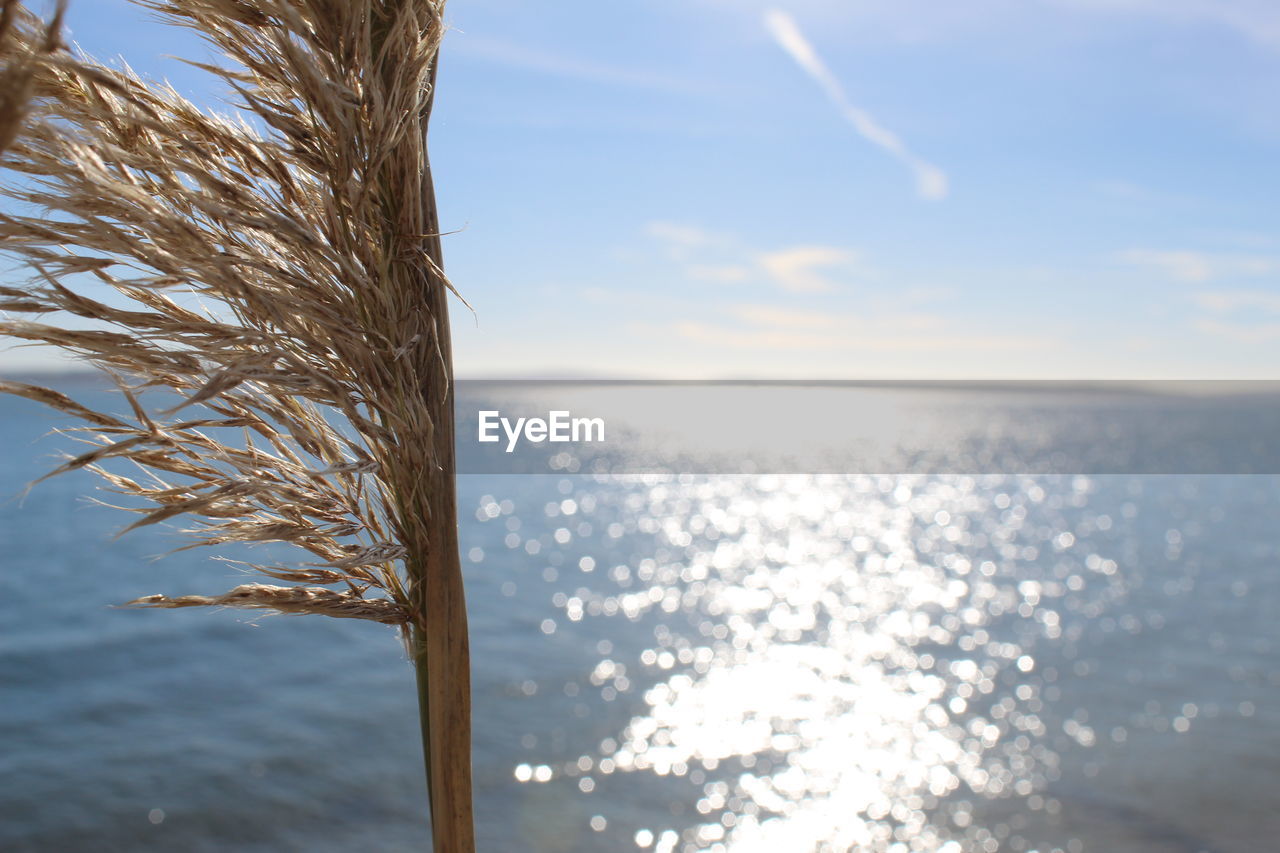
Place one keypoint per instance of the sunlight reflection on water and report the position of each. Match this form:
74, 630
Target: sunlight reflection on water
861, 652
700, 663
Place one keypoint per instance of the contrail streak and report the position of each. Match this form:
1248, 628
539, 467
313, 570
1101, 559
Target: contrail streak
931, 182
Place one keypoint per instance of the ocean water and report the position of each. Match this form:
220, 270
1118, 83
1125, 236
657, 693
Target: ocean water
807, 662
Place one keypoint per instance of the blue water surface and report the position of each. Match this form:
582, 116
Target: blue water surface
727, 663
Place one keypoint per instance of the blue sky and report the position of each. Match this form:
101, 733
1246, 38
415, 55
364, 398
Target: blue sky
882, 188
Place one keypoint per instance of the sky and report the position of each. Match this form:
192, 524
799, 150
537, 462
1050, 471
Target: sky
1077, 189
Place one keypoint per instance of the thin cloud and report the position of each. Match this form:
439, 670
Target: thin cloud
1241, 333
931, 182
784, 318
1258, 20
721, 258
804, 340
778, 317
765, 327
1180, 264
684, 236
1229, 301
719, 274
689, 246
799, 269
1243, 316
1200, 267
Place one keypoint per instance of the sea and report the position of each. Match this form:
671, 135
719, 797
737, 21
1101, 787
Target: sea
961, 656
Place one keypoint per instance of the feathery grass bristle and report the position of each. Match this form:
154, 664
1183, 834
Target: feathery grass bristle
281, 275
277, 275
23, 44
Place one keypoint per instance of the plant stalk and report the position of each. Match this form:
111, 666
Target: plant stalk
441, 658
439, 637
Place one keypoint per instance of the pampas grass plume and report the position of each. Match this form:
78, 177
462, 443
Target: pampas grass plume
280, 276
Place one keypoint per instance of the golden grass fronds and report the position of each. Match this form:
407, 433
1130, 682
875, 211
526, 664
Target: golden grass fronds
278, 280
311, 246
27, 47
288, 599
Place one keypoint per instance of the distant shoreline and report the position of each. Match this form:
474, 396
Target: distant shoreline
1177, 387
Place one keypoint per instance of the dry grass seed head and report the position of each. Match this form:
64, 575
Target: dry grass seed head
312, 244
